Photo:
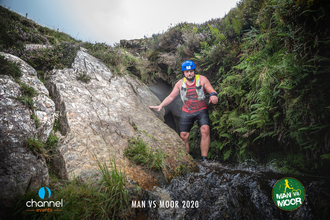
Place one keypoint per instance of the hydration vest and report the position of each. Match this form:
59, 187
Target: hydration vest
199, 89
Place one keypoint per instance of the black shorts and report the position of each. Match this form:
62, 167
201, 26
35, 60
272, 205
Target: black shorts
187, 119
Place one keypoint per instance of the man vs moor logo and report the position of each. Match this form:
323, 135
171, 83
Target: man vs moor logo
288, 194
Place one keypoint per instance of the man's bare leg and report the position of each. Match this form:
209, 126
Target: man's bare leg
185, 136
205, 141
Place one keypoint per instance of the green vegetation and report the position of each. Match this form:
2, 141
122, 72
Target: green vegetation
114, 183
17, 31
56, 126
120, 61
56, 56
181, 169
138, 151
36, 146
295, 164
9, 68
40, 148
36, 120
27, 94
269, 62
51, 143
84, 77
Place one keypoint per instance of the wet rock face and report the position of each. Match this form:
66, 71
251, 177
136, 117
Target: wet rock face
20, 168
98, 117
221, 191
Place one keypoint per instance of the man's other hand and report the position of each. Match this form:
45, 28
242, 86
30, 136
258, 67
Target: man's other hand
213, 99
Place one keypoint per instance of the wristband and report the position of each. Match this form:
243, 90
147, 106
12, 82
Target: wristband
213, 93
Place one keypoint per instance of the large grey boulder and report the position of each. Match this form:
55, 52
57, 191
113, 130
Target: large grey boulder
98, 118
20, 168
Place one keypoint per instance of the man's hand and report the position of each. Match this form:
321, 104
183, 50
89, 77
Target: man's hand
213, 99
156, 107
175, 92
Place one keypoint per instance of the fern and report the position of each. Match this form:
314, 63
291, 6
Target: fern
325, 156
227, 154
237, 25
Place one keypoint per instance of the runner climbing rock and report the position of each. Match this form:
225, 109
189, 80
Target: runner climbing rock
192, 90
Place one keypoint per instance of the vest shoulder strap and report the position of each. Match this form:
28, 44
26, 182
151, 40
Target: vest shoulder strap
198, 81
184, 81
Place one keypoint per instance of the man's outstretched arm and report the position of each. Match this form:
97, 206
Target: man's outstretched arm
175, 92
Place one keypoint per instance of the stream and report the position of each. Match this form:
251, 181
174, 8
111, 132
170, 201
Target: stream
226, 191
229, 191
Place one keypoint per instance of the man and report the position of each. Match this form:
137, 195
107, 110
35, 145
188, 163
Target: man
192, 91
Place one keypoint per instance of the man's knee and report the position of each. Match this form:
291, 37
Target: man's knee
184, 136
205, 130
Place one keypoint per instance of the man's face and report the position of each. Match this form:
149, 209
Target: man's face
189, 74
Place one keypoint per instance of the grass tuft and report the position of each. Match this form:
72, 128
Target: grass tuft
113, 182
36, 146
138, 151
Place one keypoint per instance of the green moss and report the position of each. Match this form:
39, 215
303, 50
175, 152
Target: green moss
84, 77
56, 126
26, 99
36, 120
181, 169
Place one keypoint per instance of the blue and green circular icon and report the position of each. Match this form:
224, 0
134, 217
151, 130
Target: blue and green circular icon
288, 194
42, 192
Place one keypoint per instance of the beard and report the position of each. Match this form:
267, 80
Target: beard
190, 78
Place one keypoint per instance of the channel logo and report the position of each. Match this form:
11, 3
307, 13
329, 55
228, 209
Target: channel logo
44, 206
42, 192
